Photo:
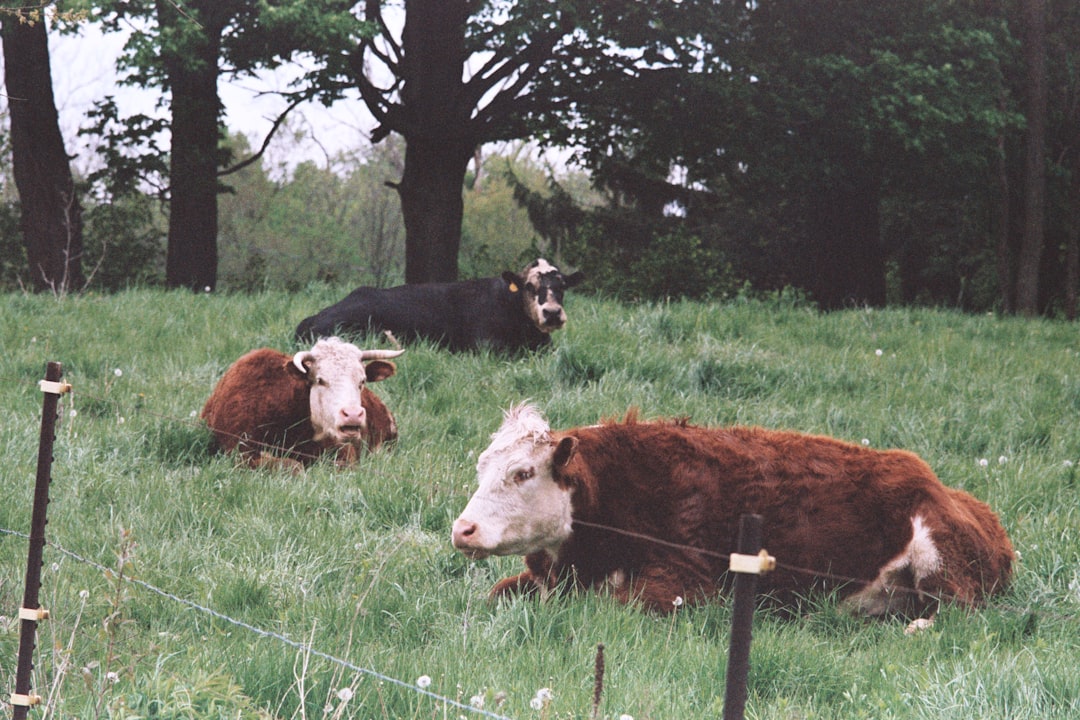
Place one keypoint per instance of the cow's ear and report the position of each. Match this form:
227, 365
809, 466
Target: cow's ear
573, 278
513, 282
377, 370
565, 451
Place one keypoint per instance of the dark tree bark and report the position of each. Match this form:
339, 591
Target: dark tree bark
439, 140
1029, 258
191, 259
50, 213
848, 259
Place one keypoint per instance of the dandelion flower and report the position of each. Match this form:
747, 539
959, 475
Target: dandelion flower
625, 716
477, 701
866, 442
536, 703
678, 601
111, 677
345, 694
1068, 463
983, 462
1002, 460
879, 352
545, 694
118, 372
423, 682
84, 594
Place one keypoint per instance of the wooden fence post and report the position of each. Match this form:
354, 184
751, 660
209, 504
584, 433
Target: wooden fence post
749, 562
30, 612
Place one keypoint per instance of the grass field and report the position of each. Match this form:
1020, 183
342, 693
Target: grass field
357, 564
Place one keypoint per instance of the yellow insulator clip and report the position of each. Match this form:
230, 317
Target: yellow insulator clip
758, 564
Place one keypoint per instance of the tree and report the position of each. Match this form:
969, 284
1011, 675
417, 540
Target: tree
184, 49
1032, 241
463, 73
809, 115
51, 215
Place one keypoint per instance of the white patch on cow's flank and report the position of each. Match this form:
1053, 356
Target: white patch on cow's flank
920, 558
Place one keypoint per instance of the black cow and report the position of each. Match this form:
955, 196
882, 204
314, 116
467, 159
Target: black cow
505, 313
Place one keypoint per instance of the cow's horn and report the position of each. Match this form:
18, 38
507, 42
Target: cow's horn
300, 358
379, 354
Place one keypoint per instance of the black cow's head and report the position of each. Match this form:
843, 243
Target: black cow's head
541, 286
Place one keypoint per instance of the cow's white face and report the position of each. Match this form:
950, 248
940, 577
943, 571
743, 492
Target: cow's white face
337, 374
518, 507
542, 286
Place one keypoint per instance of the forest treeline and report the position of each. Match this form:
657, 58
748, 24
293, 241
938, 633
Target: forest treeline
918, 151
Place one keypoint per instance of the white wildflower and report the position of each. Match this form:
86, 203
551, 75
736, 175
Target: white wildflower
111, 677
879, 352
866, 442
1002, 460
536, 704
677, 602
545, 694
983, 462
84, 594
477, 701
626, 716
423, 682
118, 372
345, 694
1068, 463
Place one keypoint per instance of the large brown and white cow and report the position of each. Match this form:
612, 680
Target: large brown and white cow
648, 511
286, 411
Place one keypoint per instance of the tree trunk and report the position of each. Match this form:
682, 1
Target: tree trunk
50, 213
848, 267
1032, 242
1001, 230
192, 257
438, 136
1072, 242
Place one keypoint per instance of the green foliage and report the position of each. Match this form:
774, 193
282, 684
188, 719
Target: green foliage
357, 562
14, 266
124, 243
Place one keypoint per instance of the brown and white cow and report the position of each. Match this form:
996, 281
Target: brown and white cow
286, 411
624, 507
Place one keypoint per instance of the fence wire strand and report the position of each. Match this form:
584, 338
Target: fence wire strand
269, 634
348, 665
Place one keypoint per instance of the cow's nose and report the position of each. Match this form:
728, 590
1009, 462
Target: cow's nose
463, 532
352, 416
552, 316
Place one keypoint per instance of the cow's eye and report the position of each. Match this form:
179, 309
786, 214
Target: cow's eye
321, 382
524, 474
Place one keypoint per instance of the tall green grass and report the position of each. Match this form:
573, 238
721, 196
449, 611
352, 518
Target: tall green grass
358, 563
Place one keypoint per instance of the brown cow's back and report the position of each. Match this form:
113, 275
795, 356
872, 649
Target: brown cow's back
835, 509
